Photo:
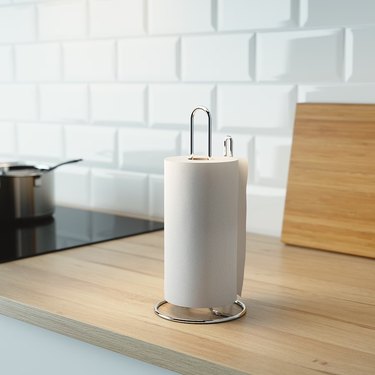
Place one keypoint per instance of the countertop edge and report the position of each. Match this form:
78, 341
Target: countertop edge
128, 346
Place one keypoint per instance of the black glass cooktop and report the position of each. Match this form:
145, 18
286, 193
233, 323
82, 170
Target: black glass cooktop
67, 228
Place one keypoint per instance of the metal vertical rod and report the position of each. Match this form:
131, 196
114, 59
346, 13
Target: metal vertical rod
192, 131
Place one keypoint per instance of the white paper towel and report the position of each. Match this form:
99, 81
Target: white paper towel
204, 220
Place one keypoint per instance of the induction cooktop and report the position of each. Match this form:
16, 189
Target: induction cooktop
67, 228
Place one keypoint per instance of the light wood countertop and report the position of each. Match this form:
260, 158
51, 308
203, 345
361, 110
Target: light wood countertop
309, 311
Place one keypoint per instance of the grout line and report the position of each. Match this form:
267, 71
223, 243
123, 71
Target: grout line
178, 53
116, 61
215, 109
348, 54
36, 18
203, 33
13, 63
146, 16
146, 106
88, 18
214, 14
38, 102
89, 117
254, 55
303, 12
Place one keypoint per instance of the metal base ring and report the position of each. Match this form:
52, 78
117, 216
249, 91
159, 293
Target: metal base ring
199, 315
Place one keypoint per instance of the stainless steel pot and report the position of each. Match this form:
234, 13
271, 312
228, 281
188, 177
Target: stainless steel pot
27, 191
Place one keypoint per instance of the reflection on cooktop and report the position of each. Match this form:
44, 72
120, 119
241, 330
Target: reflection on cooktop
67, 228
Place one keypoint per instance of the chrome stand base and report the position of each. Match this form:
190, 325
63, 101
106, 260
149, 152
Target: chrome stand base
189, 315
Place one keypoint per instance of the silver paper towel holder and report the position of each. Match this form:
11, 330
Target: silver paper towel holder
210, 315
192, 157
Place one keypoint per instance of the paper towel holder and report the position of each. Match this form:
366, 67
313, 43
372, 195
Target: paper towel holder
192, 157
202, 315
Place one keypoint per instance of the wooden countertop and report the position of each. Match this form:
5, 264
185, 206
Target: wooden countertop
309, 311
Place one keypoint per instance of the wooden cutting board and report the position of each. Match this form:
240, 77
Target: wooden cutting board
330, 202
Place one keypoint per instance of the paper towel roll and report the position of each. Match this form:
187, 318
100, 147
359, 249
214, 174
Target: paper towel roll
201, 221
241, 224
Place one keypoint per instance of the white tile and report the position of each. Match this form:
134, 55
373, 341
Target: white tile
148, 59
18, 102
314, 55
144, 150
72, 186
6, 64
255, 106
156, 196
184, 16
265, 210
94, 144
272, 155
338, 12
173, 103
256, 14
17, 24
38, 62
116, 17
217, 58
125, 192
363, 54
62, 19
118, 103
40, 140
7, 138
89, 61
63, 102
361, 93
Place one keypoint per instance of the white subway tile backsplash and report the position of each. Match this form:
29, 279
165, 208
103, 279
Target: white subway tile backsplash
256, 14
72, 186
38, 62
338, 12
95, 144
7, 138
62, 19
218, 58
148, 59
144, 150
364, 93
124, 103
17, 24
120, 191
256, 106
156, 196
265, 210
272, 156
18, 102
188, 16
172, 104
116, 17
64, 102
89, 61
6, 64
115, 81
363, 54
314, 55
40, 141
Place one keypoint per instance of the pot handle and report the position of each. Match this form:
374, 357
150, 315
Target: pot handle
63, 163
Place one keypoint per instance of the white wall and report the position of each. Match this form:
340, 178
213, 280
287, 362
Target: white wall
114, 82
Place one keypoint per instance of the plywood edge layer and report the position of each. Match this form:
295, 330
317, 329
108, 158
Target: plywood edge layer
128, 346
